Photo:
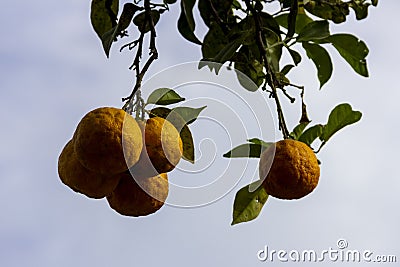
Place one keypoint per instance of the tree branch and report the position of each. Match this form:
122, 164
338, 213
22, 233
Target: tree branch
128, 106
270, 76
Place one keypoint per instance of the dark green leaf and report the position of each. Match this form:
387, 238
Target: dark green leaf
314, 31
250, 74
353, 50
268, 23
360, 8
188, 114
103, 15
322, 61
286, 3
298, 130
226, 53
186, 24
286, 69
249, 71
312, 133
283, 80
142, 24
214, 41
222, 7
301, 21
245, 151
295, 56
341, 116
331, 10
125, 19
260, 142
236, 4
374, 2
164, 96
247, 205
170, 2
180, 125
274, 51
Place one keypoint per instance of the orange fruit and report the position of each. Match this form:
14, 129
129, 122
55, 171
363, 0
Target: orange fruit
139, 196
294, 172
108, 141
162, 149
80, 179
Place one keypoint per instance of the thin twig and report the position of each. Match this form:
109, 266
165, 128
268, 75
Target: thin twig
136, 63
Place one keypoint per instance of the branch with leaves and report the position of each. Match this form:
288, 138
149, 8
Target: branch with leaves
249, 37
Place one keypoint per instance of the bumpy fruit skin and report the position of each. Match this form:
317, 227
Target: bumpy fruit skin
108, 141
139, 196
294, 172
162, 149
80, 179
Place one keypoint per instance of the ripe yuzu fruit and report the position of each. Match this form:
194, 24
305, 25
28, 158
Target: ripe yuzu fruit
108, 140
162, 149
139, 196
294, 172
80, 179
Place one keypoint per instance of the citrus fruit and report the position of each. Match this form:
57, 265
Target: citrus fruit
80, 179
162, 148
294, 172
139, 196
108, 141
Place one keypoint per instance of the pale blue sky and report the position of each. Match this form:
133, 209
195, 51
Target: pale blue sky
53, 71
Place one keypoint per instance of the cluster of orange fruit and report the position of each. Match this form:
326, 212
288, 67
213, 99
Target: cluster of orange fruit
113, 155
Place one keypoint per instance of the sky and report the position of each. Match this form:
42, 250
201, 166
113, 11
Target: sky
53, 71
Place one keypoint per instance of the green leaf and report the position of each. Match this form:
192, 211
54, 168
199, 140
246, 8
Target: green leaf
214, 41
260, 142
286, 69
312, 133
301, 20
274, 51
295, 56
353, 50
223, 9
341, 116
283, 80
164, 96
142, 24
249, 71
103, 15
298, 130
170, 2
314, 31
322, 61
125, 19
331, 10
250, 74
245, 151
247, 205
360, 8
189, 114
186, 24
286, 3
183, 129
228, 51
